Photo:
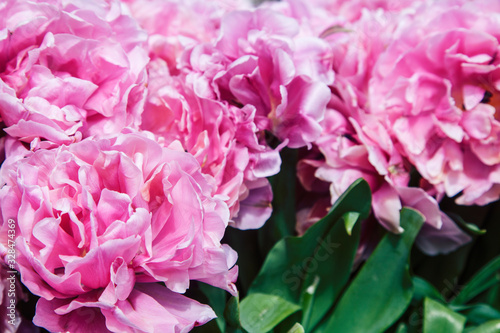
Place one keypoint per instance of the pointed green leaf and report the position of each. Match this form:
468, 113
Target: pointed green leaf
424, 289
492, 326
297, 328
477, 314
261, 312
350, 219
469, 227
308, 299
217, 300
232, 312
439, 318
402, 328
325, 251
383, 289
334, 269
486, 278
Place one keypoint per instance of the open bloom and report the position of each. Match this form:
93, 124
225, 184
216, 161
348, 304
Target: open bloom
100, 223
356, 143
222, 137
352, 10
352, 149
438, 89
283, 75
260, 60
174, 25
69, 70
228, 92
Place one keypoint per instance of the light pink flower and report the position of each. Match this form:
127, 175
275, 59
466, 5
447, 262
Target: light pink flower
437, 88
223, 93
222, 137
313, 19
100, 222
69, 70
355, 145
174, 25
352, 10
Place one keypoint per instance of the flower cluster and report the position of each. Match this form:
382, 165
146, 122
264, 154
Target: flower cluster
135, 132
413, 102
247, 75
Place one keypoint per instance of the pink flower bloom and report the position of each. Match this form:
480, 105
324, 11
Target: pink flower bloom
282, 75
174, 25
355, 145
218, 95
223, 138
259, 60
437, 88
313, 19
69, 70
99, 222
352, 10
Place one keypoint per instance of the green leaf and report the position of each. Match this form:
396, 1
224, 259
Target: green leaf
217, 300
402, 328
232, 312
383, 289
486, 247
439, 318
469, 227
488, 327
422, 289
308, 299
288, 323
477, 314
350, 219
297, 328
493, 297
325, 251
486, 278
333, 271
262, 312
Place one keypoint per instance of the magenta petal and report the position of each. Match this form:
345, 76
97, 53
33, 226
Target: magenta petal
386, 207
416, 198
256, 208
95, 266
444, 240
81, 320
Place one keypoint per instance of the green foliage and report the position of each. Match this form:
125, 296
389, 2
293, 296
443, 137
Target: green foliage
315, 283
261, 312
486, 278
325, 253
383, 289
439, 318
